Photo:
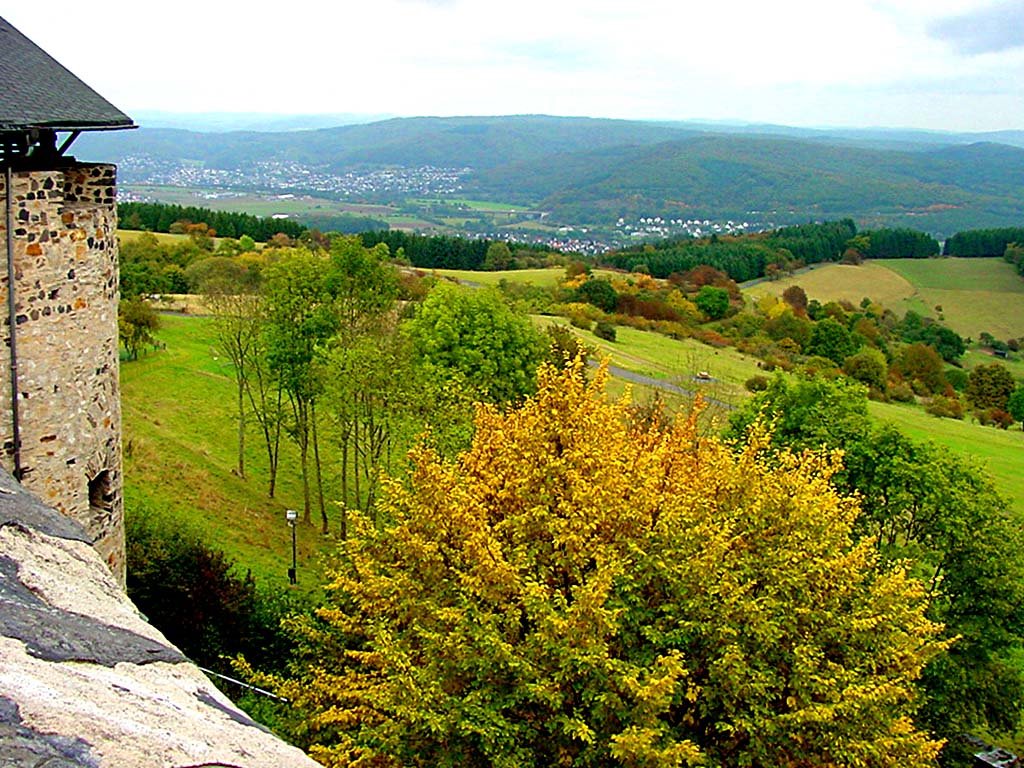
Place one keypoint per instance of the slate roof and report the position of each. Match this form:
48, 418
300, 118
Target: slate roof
36, 91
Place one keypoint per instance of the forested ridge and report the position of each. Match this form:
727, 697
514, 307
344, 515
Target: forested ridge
647, 169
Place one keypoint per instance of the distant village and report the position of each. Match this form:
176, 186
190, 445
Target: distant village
290, 178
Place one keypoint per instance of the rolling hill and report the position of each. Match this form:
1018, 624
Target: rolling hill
583, 170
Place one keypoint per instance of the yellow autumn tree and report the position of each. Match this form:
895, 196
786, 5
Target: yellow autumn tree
577, 589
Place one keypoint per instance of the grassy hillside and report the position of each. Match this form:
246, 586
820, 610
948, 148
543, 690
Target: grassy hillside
841, 282
180, 438
180, 451
997, 451
975, 294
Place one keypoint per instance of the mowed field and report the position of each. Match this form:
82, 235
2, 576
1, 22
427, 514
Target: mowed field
970, 295
843, 282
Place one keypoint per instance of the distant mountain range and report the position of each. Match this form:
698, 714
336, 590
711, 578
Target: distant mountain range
587, 170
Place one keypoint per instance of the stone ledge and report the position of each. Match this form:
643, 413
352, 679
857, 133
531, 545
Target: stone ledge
85, 680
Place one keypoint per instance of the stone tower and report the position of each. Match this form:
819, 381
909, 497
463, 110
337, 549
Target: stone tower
60, 416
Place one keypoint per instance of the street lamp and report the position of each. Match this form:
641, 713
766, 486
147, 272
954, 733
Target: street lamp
291, 516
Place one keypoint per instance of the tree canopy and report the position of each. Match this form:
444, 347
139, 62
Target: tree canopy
923, 504
580, 589
474, 335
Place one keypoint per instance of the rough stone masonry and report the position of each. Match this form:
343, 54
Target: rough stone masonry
66, 292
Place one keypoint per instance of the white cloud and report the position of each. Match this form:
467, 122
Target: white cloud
795, 61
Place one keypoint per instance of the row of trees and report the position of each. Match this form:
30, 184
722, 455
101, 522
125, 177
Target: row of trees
743, 257
159, 217
983, 242
322, 357
450, 252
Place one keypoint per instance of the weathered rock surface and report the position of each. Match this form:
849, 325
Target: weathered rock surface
85, 680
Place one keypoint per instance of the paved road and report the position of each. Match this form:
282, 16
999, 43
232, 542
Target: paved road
665, 386
808, 268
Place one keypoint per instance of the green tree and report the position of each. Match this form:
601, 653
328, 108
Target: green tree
868, 367
137, 322
579, 589
990, 386
1015, 404
788, 326
598, 292
474, 336
498, 257
920, 362
924, 504
831, 339
713, 302
300, 318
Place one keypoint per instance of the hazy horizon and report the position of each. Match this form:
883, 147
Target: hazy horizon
947, 65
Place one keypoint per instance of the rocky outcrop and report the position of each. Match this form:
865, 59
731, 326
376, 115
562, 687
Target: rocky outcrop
84, 679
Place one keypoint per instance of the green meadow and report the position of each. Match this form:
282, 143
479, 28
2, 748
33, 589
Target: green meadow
180, 451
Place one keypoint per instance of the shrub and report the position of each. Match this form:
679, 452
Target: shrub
945, 407
901, 392
605, 330
193, 594
1000, 418
756, 383
957, 378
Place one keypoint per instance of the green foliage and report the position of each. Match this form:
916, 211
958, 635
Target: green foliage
438, 251
990, 386
498, 257
945, 407
983, 242
579, 589
868, 367
832, 340
193, 594
1015, 404
713, 302
945, 341
926, 504
137, 322
900, 244
756, 383
599, 293
921, 363
474, 336
789, 326
605, 330
158, 217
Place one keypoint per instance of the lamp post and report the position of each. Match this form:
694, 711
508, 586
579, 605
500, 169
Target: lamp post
291, 516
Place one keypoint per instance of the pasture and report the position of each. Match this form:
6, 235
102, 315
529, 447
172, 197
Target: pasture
843, 282
968, 295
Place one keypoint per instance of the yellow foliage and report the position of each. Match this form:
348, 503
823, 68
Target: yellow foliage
577, 589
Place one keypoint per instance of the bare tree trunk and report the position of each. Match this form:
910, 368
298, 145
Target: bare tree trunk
241, 425
319, 477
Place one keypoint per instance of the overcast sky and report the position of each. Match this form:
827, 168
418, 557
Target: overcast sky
941, 64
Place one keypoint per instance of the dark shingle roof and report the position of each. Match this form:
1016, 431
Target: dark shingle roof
37, 92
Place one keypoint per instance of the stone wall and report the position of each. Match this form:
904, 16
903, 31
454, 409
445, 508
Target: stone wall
65, 287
